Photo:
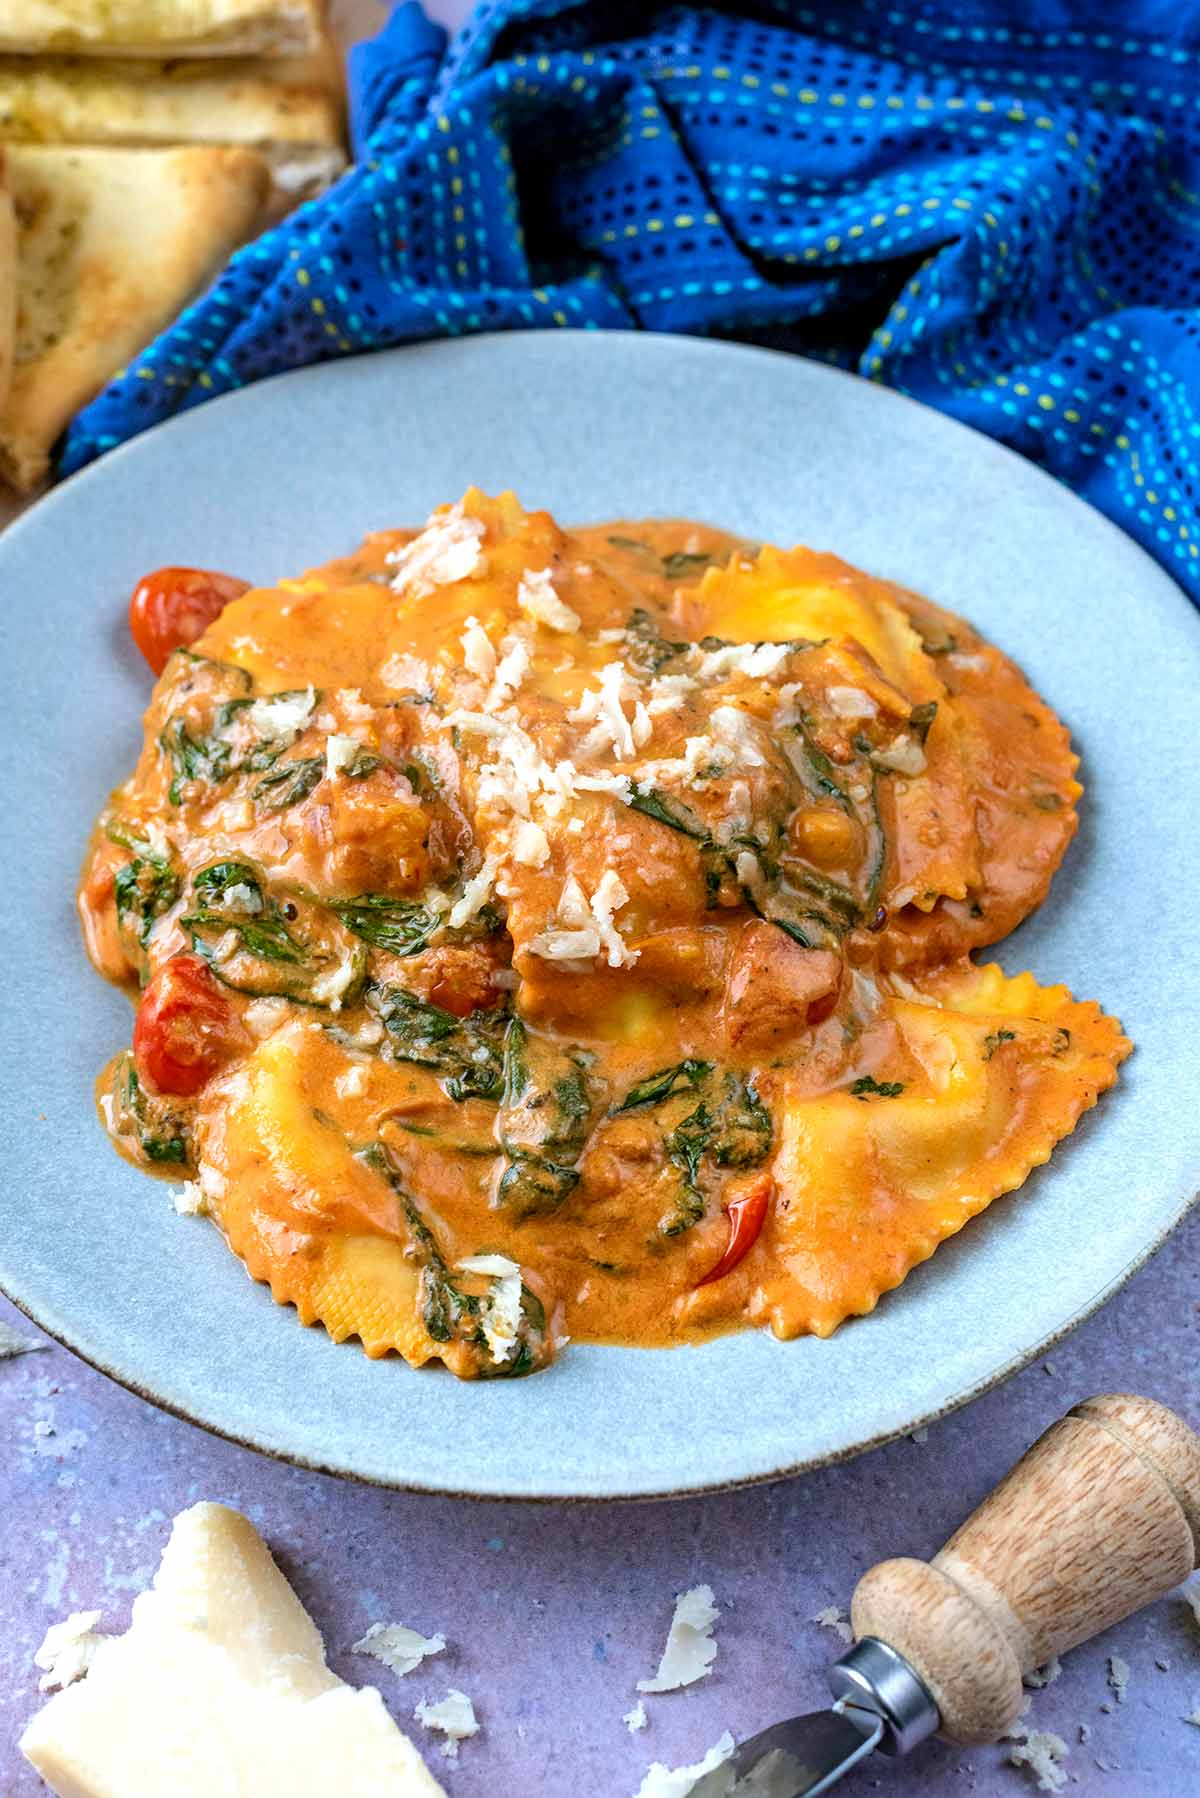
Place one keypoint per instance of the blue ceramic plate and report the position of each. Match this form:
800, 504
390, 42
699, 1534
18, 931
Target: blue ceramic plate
295, 470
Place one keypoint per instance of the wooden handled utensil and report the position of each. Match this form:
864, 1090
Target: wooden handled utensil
1098, 1519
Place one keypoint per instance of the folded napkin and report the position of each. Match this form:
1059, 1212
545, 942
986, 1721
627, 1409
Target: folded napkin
997, 217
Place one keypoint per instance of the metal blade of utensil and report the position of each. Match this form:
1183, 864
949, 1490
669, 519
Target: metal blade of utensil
797, 1759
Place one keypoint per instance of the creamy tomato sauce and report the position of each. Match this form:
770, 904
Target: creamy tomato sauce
545, 933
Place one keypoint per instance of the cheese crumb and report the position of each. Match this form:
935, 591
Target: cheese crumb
454, 1715
690, 1650
530, 845
190, 1201
262, 1017
405, 674
501, 1316
677, 1782
397, 1647
602, 707
68, 1649
1118, 1676
834, 1618
1044, 1676
538, 600
12, 1343
1043, 1753
446, 551
510, 672
637, 1718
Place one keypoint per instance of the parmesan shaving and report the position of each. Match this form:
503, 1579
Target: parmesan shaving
68, 1649
353, 1083
834, 1618
405, 674
501, 1317
585, 926
1043, 1753
608, 898
397, 1647
677, 1782
1118, 1676
446, 551
637, 1718
735, 729
690, 1650
454, 1716
538, 600
1044, 1676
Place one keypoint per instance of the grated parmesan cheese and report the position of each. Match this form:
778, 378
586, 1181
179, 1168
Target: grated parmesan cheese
735, 729
262, 1017
603, 708
353, 1083
454, 1716
530, 845
405, 674
636, 1718
354, 705
478, 653
585, 926
690, 1650
282, 717
608, 898
677, 1782
475, 895
339, 753
1043, 1676
510, 672
446, 551
501, 1315
904, 755
68, 1649
397, 1647
538, 600
755, 660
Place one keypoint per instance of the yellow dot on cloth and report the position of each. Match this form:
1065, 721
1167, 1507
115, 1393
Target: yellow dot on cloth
302, 276
903, 209
884, 337
443, 123
205, 380
878, 218
145, 374
684, 220
1122, 443
833, 243
1151, 497
855, 231
899, 311
809, 95
1071, 415
318, 307
866, 100
654, 224
837, 99
1020, 387
1169, 512
1045, 402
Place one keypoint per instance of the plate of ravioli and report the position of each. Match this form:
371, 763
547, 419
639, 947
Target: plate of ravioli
618, 876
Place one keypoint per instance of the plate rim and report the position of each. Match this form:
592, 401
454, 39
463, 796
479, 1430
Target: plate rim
495, 1488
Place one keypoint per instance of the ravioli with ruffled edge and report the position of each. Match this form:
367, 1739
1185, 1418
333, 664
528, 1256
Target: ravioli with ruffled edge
543, 934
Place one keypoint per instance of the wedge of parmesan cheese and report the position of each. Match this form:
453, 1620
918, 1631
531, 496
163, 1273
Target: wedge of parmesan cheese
690, 1650
219, 1686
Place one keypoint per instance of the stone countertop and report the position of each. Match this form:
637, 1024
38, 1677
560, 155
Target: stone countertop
552, 1613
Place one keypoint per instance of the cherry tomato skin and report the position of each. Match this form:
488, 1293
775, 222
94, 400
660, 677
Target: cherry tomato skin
747, 1214
173, 606
185, 1028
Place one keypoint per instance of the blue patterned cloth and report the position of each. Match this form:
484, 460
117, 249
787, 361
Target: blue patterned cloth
995, 215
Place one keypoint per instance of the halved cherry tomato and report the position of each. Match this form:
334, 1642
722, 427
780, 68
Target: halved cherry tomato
747, 1214
185, 1028
173, 606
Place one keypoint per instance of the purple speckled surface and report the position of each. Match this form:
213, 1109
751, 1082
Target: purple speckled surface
552, 1613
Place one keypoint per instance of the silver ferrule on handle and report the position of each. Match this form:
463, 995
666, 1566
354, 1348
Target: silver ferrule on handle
873, 1677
